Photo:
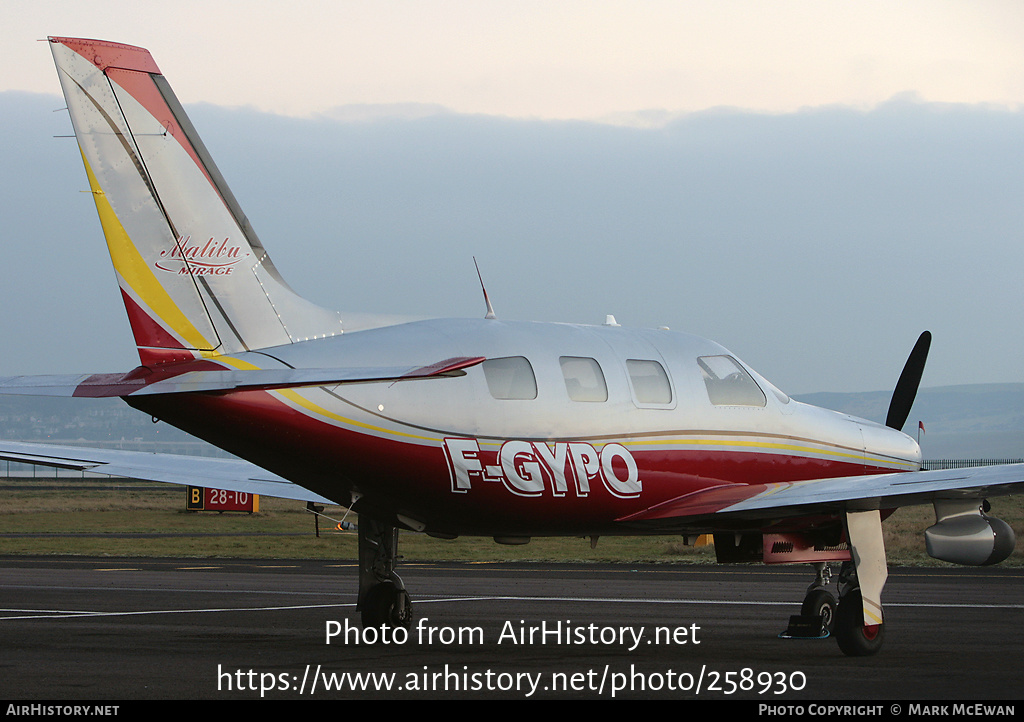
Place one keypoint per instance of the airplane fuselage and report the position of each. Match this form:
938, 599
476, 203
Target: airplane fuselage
564, 429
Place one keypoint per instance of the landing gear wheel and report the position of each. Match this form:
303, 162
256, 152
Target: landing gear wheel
854, 638
820, 603
387, 605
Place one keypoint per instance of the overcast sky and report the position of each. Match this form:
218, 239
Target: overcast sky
579, 59
811, 184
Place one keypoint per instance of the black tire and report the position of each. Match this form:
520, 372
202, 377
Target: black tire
820, 603
855, 639
387, 605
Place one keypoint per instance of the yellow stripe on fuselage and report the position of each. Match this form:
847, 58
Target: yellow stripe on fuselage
776, 446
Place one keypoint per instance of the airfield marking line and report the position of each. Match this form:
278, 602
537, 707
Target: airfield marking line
486, 597
67, 614
118, 569
72, 614
165, 590
730, 602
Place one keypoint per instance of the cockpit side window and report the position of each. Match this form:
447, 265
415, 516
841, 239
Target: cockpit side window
728, 384
510, 378
584, 380
650, 382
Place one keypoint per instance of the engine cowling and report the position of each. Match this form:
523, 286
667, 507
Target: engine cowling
964, 534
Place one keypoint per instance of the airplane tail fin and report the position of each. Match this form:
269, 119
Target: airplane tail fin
194, 277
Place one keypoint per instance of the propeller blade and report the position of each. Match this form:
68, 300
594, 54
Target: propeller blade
906, 388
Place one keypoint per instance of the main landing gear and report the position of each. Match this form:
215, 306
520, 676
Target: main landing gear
856, 619
383, 600
819, 603
817, 613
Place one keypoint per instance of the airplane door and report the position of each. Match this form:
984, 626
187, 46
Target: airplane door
650, 380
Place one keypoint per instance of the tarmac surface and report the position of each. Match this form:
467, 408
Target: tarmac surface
138, 629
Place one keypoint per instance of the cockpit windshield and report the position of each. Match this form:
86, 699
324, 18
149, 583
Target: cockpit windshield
728, 383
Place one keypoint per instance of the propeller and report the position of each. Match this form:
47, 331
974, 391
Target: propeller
906, 388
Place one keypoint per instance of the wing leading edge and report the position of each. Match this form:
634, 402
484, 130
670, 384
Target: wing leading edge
817, 496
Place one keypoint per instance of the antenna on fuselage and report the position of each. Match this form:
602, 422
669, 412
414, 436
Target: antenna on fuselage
490, 309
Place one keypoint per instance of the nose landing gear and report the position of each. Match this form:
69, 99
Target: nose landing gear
854, 633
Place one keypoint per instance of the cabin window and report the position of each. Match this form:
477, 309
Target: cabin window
510, 378
650, 382
728, 384
584, 379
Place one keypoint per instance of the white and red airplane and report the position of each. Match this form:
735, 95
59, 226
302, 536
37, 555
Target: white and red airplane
470, 426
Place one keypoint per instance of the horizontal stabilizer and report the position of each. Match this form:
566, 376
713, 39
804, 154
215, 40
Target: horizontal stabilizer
142, 381
227, 474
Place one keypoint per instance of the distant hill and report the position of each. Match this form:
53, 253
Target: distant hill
961, 422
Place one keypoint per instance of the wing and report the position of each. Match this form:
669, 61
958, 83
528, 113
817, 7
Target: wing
822, 496
228, 474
